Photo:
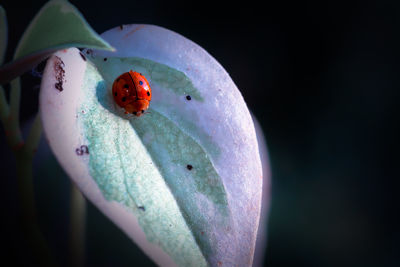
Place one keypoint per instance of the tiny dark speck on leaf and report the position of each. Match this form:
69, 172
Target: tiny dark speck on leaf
59, 86
189, 167
105, 59
82, 150
60, 73
188, 97
142, 208
85, 149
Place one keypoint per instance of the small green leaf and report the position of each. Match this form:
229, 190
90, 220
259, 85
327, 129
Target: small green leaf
58, 25
3, 34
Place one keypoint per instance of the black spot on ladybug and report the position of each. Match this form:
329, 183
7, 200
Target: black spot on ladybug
82, 56
142, 110
188, 97
126, 85
105, 59
189, 167
148, 93
115, 93
124, 99
142, 208
140, 82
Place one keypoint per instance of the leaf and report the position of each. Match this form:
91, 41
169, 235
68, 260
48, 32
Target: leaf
3, 34
58, 25
184, 180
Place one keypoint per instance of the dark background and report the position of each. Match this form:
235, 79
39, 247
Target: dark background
323, 80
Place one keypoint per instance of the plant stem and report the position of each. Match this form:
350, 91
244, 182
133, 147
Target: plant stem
32, 142
11, 118
4, 108
9, 115
15, 97
77, 227
36, 240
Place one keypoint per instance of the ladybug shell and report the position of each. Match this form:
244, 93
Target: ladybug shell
132, 91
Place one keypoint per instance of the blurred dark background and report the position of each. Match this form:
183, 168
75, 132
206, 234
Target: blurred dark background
323, 80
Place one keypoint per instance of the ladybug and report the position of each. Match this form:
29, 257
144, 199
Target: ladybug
132, 91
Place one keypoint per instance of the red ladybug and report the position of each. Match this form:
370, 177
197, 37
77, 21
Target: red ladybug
132, 91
